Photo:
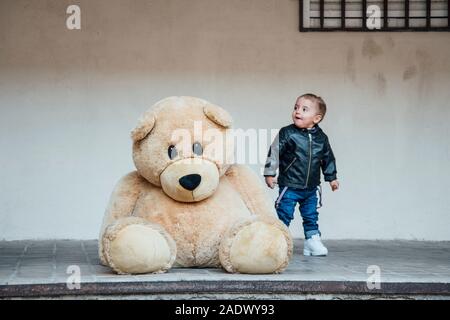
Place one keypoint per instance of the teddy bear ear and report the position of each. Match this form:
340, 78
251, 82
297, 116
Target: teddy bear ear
145, 125
218, 115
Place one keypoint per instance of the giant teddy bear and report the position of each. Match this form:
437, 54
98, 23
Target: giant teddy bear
186, 205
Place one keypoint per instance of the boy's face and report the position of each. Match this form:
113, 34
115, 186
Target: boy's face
305, 114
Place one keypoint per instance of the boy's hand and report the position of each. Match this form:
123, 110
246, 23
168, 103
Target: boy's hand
271, 182
334, 185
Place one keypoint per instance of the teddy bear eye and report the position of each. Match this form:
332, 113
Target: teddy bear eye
197, 148
172, 151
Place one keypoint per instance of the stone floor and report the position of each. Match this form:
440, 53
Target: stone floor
406, 269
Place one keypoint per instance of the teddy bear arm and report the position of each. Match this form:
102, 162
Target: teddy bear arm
251, 189
124, 197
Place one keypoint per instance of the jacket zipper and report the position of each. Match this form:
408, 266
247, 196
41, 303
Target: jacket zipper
290, 164
309, 163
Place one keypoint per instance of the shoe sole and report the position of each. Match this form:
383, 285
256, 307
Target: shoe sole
309, 253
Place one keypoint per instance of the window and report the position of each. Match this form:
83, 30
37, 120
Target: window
367, 15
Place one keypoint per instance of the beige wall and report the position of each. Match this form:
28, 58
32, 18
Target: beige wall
69, 98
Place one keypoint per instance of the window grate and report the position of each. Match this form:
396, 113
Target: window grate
374, 15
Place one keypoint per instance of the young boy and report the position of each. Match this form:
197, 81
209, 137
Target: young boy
299, 151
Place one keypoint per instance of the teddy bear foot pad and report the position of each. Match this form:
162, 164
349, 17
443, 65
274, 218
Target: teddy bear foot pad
134, 247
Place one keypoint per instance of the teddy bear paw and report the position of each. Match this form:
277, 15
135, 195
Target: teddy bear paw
256, 246
134, 248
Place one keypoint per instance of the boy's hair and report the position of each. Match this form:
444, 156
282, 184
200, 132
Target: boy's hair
321, 105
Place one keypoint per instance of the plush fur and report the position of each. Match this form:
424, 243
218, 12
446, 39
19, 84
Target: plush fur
153, 222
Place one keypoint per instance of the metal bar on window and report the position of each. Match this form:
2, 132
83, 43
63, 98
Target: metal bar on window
385, 13
364, 14
343, 13
428, 14
407, 13
322, 12
300, 11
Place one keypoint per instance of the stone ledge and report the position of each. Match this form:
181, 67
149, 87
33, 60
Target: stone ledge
224, 287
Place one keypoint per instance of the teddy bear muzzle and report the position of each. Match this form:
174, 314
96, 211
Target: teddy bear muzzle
190, 179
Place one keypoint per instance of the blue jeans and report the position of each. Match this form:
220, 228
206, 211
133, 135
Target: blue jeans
307, 199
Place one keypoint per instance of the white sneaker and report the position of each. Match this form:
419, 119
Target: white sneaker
314, 247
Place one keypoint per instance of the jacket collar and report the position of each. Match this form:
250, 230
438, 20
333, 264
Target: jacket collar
312, 130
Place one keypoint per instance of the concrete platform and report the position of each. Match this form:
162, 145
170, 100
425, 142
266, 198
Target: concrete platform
408, 269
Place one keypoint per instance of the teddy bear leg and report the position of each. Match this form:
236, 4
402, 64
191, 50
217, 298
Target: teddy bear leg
133, 245
258, 245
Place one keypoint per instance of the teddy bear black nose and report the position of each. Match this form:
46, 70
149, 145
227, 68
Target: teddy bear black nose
190, 181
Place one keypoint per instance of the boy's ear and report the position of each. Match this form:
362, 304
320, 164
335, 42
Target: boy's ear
218, 115
144, 127
318, 118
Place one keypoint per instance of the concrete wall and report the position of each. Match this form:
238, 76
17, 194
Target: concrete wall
68, 100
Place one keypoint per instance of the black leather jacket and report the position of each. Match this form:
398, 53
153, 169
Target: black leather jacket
299, 154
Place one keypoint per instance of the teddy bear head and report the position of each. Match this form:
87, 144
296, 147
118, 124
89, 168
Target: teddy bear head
182, 145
